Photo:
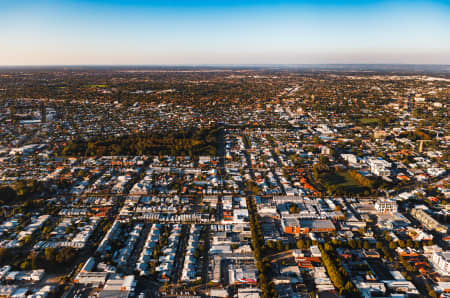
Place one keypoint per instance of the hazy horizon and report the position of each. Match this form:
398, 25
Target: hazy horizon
53, 33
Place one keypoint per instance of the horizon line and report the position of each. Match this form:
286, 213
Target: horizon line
222, 64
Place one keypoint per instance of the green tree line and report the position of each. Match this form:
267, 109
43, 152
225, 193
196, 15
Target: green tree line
337, 273
262, 263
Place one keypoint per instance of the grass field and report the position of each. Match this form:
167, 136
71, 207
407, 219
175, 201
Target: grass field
95, 86
368, 121
344, 181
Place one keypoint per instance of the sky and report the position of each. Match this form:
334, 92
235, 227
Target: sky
138, 32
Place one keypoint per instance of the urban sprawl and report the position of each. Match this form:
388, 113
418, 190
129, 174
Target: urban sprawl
224, 183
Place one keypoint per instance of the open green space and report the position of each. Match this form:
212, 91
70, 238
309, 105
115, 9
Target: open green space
192, 142
19, 191
96, 86
369, 121
342, 182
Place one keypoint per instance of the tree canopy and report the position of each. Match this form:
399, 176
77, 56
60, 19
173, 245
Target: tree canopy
192, 142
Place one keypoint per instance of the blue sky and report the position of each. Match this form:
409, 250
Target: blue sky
223, 32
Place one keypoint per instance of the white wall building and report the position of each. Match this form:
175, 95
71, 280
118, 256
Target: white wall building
386, 206
441, 261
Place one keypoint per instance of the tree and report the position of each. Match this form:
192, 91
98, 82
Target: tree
392, 245
352, 243
366, 244
25, 265
328, 247
7, 195
379, 245
409, 243
34, 261
49, 254
279, 245
3, 255
26, 240
152, 268
294, 208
